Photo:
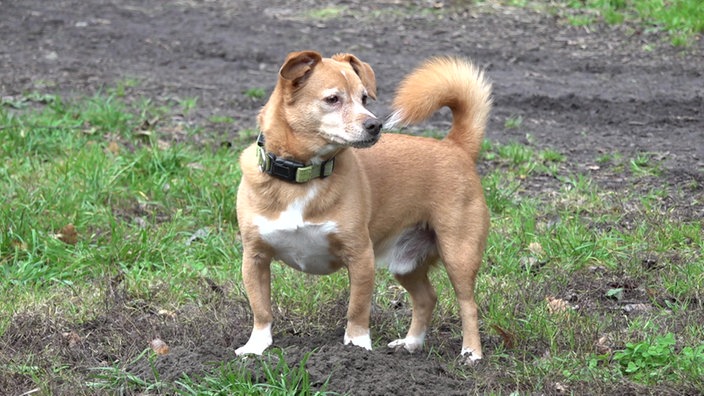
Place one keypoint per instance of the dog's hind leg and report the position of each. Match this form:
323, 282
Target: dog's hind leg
461, 248
423, 299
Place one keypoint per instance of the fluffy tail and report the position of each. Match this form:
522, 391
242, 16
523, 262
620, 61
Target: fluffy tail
446, 81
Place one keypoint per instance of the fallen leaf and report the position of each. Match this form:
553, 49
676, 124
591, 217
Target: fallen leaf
556, 305
636, 308
149, 124
114, 148
72, 338
536, 249
67, 235
200, 235
167, 313
195, 165
602, 345
508, 338
561, 388
19, 245
159, 347
143, 133
163, 144
89, 130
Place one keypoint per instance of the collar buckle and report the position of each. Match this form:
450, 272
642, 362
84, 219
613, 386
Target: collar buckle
288, 170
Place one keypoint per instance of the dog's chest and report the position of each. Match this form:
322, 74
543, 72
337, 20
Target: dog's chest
299, 243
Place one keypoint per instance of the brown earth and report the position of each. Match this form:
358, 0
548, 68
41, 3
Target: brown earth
581, 91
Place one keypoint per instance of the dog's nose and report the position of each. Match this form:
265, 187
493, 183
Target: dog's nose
372, 126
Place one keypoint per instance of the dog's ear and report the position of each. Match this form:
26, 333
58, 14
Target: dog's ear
298, 65
363, 70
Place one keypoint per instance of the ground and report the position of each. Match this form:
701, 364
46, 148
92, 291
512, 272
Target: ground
581, 91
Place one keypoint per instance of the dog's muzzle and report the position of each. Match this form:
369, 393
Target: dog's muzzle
372, 126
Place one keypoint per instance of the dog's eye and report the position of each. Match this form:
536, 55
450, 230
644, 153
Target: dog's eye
364, 99
332, 99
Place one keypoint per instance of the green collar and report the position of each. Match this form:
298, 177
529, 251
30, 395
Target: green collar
291, 171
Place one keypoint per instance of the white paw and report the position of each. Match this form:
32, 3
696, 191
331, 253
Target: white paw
411, 344
364, 341
470, 357
258, 342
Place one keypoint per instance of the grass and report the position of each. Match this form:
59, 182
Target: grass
157, 219
681, 20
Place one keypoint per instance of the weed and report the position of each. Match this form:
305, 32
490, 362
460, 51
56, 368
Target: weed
237, 378
326, 13
255, 93
188, 105
656, 361
644, 165
682, 20
513, 122
220, 119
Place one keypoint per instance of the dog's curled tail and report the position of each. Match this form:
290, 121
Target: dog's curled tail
446, 81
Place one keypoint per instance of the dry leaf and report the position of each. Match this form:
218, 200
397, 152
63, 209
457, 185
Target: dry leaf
602, 345
508, 338
536, 249
163, 144
561, 388
636, 308
72, 338
67, 235
167, 313
159, 347
556, 305
195, 165
19, 245
114, 148
149, 124
143, 133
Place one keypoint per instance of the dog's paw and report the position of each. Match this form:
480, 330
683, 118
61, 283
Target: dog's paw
469, 357
411, 344
364, 341
258, 342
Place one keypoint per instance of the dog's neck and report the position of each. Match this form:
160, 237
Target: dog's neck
294, 170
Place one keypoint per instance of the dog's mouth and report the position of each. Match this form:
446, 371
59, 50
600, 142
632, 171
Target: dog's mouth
365, 143
362, 143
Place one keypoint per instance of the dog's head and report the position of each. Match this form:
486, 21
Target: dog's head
323, 101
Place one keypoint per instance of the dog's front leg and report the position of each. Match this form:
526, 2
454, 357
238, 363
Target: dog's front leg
256, 274
361, 274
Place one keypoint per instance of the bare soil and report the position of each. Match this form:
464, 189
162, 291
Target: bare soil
584, 92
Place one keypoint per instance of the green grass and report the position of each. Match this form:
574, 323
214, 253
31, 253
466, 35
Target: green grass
681, 20
162, 216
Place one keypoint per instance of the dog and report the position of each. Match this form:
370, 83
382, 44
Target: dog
323, 188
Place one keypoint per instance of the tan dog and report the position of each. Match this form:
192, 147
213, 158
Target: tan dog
319, 193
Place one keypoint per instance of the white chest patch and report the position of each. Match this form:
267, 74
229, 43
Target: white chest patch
300, 244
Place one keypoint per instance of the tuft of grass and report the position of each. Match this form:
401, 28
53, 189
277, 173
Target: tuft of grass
276, 377
651, 361
326, 13
255, 93
513, 122
680, 20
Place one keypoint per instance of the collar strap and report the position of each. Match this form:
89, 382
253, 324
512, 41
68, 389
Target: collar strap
291, 171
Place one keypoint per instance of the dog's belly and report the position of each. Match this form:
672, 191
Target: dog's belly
301, 244
305, 247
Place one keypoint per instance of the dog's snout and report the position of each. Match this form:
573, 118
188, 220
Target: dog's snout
372, 126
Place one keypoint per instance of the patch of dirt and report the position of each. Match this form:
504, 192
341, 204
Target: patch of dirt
583, 92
